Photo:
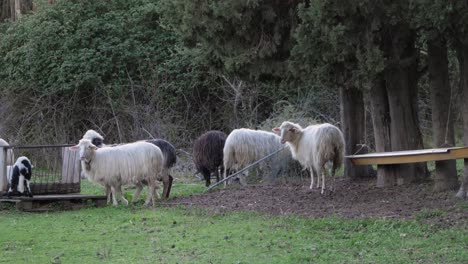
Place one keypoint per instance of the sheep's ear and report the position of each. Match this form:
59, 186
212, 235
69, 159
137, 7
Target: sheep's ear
276, 130
73, 148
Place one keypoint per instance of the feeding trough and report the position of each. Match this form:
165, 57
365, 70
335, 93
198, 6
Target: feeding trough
55, 177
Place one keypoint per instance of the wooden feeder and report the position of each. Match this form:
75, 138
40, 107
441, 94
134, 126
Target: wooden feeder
55, 178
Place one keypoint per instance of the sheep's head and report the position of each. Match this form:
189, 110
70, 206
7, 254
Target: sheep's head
288, 131
86, 148
95, 138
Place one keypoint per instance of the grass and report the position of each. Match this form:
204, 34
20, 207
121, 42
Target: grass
135, 234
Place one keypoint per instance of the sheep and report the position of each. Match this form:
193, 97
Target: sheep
170, 159
95, 138
10, 155
19, 176
314, 147
208, 154
244, 146
168, 151
135, 163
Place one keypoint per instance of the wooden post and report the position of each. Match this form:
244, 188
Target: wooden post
3, 172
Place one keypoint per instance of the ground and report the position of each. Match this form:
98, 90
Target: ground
350, 200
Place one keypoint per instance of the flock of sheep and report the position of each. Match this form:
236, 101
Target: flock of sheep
318, 148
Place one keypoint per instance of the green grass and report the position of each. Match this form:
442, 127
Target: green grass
176, 235
179, 189
135, 234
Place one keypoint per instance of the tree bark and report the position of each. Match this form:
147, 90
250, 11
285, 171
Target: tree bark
353, 124
442, 114
401, 78
462, 54
380, 114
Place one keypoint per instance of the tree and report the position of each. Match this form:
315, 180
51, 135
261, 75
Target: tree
370, 45
459, 38
433, 20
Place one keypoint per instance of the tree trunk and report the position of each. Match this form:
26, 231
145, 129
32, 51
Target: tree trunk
462, 54
442, 115
401, 78
380, 114
5, 11
16, 8
353, 124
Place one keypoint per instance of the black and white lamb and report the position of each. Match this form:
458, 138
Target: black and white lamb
19, 177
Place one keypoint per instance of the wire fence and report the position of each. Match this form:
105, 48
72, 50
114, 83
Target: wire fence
55, 171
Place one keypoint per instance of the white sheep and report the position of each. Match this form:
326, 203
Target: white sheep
314, 147
10, 159
169, 154
245, 146
129, 164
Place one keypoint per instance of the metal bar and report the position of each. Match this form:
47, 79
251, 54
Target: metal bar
246, 168
38, 146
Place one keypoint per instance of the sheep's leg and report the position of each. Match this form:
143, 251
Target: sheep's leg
318, 179
114, 199
224, 177
137, 193
28, 189
319, 173
324, 173
311, 178
108, 193
20, 187
118, 195
156, 191
333, 171
217, 174
207, 176
328, 169
150, 198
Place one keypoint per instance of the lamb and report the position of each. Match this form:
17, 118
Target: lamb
10, 155
245, 146
208, 154
314, 147
135, 163
19, 177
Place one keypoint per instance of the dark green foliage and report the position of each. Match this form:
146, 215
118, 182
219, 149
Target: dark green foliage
84, 44
246, 38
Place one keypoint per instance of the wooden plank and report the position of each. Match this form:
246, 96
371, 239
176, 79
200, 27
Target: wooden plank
44, 203
70, 166
3, 172
56, 197
54, 188
402, 157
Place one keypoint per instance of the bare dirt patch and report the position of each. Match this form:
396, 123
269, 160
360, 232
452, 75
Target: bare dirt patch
350, 200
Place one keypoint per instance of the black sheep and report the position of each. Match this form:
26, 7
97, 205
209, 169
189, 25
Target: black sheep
170, 158
208, 154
